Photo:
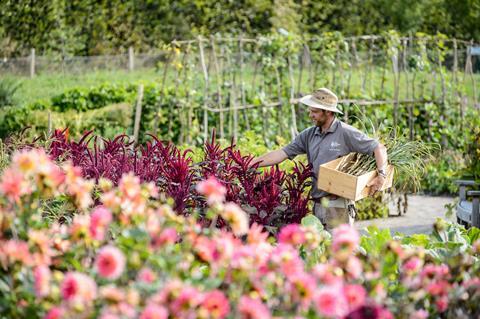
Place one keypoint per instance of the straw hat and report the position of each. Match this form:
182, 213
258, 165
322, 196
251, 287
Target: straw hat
322, 99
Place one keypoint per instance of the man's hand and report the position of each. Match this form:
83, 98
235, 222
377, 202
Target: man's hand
376, 184
271, 158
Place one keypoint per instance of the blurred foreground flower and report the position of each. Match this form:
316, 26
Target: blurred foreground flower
146, 261
212, 189
110, 262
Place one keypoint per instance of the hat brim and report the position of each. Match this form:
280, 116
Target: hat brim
309, 101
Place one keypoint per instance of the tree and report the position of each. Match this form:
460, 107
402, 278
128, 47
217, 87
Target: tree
27, 24
285, 16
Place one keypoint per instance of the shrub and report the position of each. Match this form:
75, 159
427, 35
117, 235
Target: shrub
81, 100
442, 172
472, 148
372, 207
108, 121
8, 88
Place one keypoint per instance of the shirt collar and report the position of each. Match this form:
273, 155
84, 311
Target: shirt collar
331, 129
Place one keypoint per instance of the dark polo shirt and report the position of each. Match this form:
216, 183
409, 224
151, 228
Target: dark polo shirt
339, 140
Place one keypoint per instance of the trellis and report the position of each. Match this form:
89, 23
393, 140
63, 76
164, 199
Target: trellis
221, 67
222, 82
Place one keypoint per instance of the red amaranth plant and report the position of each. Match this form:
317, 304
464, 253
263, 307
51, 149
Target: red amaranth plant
271, 198
240, 167
111, 160
179, 174
149, 161
296, 185
267, 195
58, 143
170, 169
214, 155
216, 163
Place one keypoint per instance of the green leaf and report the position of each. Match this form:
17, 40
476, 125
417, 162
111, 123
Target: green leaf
312, 221
4, 286
417, 240
375, 240
473, 234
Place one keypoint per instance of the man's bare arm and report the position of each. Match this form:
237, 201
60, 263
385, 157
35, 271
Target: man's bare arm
271, 158
381, 156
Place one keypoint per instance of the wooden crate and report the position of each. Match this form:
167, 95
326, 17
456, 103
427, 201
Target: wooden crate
346, 185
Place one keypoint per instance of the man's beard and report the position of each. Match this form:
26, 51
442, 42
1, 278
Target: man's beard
320, 123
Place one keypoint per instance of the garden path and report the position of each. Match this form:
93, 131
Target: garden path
421, 213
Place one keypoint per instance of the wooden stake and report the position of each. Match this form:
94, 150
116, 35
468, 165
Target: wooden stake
444, 94
205, 76
472, 76
294, 130
49, 123
138, 113
412, 124
406, 71
364, 77
311, 73
32, 63
186, 128
370, 63
455, 63
264, 116
255, 68
334, 78
242, 84
314, 82
353, 66
340, 72
233, 114
235, 110
162, 93
384, 77
264, 111
396, 89
131, 59
280, 100
219, 89
302, 63
178, 107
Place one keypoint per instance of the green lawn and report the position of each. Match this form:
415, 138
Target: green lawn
47, 85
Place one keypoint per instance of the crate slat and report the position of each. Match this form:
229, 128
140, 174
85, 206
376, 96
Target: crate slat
346, 185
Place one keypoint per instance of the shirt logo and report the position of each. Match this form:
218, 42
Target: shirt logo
334, 147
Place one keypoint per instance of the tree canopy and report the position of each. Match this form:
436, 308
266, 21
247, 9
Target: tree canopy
90, 27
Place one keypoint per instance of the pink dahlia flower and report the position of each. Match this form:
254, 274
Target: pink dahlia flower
356, 296
110, 262
146, 275
330, 302
78, 287
212, 189
41, 276
99, 221
216, 304
252, 308
13, 185
345, 241
292, 234
55, 313
236, 218
153, 311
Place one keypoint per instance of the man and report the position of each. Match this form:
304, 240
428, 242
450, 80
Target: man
327, 140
